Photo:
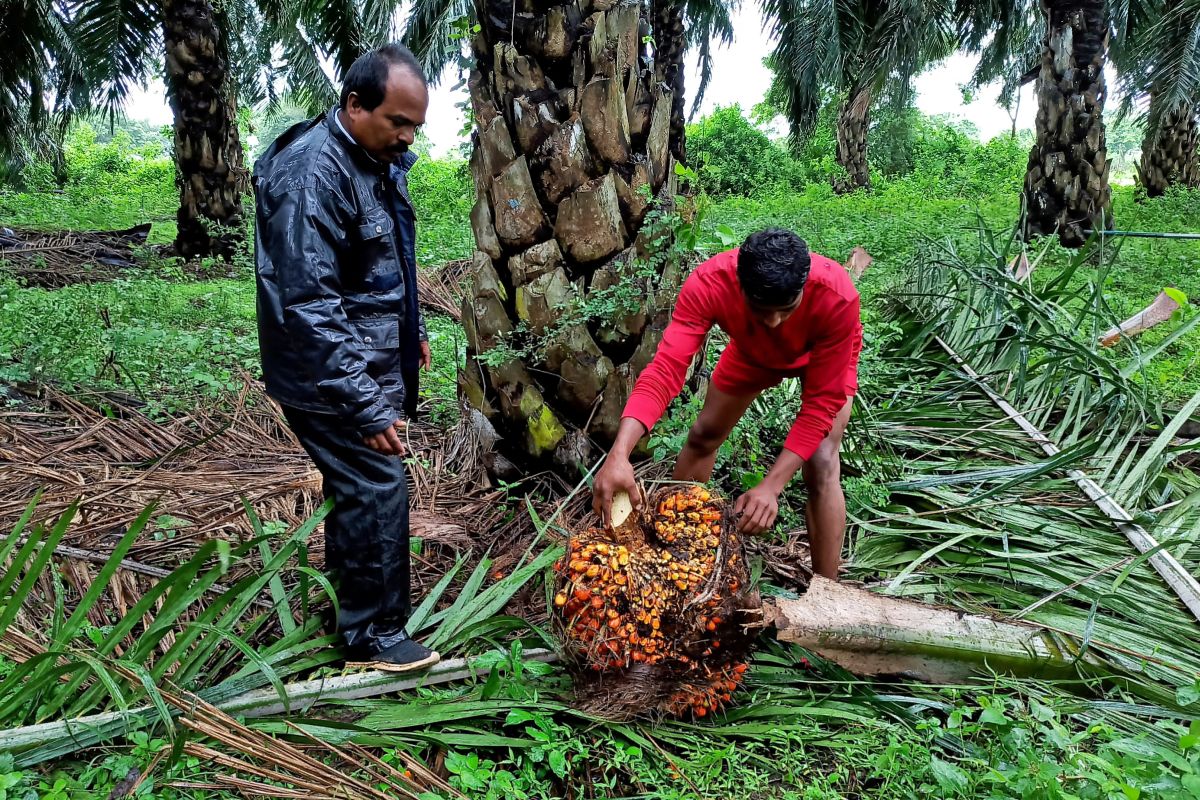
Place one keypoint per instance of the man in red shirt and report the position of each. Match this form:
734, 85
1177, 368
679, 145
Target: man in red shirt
788, 313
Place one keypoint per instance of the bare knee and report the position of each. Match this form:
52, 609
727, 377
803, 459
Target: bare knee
823, 472
705, 437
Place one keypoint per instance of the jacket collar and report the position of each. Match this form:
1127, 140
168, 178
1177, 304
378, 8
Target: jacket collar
361, 156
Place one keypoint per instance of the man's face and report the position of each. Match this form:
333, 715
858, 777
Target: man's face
388, 130
772, 316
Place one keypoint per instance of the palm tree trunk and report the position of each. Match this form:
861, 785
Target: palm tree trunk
208, 154
572, 132
853, 122
668, 65
1066, 184
1173, 157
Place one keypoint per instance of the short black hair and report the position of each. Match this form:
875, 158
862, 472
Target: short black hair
368, 75
773, 266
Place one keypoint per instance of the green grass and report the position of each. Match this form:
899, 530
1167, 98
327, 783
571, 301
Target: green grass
168, 342
172, 342
175, 341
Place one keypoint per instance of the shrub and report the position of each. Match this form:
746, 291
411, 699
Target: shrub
110, 184
732, 156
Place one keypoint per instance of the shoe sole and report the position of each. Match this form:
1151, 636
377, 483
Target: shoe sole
388, 666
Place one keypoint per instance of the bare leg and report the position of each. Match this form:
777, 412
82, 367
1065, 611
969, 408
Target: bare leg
826, 508
720, 413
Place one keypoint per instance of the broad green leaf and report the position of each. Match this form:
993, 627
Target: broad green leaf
951, 778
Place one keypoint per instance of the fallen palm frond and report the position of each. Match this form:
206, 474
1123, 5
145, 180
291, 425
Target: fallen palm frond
980, 517
1171, 571
110, 460
295, 699
269, 758
222, 644
198, 466
56, 259
441, 290
224, 647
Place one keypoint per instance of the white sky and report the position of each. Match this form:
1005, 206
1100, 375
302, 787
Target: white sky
738, 77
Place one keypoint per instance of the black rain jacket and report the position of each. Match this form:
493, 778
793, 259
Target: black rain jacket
339, 326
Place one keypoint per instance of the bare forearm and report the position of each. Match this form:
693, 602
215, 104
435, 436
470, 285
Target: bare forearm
781, 474
628, 435
617, 473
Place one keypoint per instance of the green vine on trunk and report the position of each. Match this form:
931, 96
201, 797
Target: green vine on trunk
673, 235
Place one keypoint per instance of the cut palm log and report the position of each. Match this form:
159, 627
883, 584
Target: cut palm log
1156, 313
873, 635
858, 262
1019, 268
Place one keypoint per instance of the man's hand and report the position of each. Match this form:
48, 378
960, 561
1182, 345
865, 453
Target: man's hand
616, 475
387, 441
426, 356
758, 508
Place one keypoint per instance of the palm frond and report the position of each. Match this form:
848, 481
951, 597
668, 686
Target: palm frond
38, 58
808, 55
825, 47
432, 31
1031, 545
708, 24
1160, 58
249, 47
118, 42
308, 84
339, 28
1008, 38
177, 631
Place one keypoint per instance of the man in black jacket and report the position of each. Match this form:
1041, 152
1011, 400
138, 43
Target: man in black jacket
341, 333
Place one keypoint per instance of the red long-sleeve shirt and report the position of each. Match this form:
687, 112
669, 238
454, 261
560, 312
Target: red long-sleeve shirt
822, 338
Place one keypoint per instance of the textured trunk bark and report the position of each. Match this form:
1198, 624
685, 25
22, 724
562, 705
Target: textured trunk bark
668, 66
1173, 157
208, 154
572, 135
854, 120
1066, 184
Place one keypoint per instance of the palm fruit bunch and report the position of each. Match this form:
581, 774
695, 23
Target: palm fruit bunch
661, 601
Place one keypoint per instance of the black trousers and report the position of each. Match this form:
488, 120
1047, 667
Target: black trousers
366, 534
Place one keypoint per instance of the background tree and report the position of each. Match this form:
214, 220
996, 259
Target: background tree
208, 153
112, 47
212, 55
39, 63
853, 50
1067, 180
1066, 185
1160, 67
